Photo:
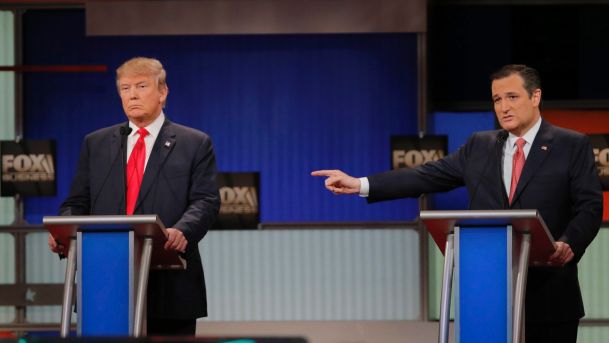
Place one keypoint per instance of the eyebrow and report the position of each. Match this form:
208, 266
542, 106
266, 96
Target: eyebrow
508, 93
129, 84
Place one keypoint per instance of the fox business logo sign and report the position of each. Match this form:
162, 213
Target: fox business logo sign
240, 207
238, 200
413, 151
28, 167
20, 168
600, 148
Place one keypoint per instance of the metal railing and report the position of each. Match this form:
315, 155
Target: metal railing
22, 294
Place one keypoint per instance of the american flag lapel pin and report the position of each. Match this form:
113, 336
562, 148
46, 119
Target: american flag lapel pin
167, 144
544, 148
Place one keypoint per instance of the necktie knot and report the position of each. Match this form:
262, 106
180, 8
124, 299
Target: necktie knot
520, 142
142, 132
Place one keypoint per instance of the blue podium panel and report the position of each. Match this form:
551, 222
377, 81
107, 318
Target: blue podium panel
483, 276
104, 283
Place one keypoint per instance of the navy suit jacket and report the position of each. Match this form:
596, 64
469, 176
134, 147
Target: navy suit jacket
559, 179
179, 185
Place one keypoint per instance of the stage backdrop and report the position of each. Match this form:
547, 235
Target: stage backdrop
281, 105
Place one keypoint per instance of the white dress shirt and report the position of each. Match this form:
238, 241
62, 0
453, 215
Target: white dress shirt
153, 132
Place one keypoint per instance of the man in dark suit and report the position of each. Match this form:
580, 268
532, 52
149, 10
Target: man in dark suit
169, 170
529, 164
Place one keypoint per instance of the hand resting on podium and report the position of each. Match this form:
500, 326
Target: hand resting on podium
562, 255
56, 247
176, 240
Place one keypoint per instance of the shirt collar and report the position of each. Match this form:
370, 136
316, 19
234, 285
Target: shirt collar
529, 137
153, 128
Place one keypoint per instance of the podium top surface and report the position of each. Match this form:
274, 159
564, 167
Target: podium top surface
441, 223
64, 228
480, 215
77, 221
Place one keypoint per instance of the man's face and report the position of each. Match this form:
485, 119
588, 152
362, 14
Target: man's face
516, 111
142, 98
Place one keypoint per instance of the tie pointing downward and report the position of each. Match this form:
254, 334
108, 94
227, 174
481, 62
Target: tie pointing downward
517, 165
135, 170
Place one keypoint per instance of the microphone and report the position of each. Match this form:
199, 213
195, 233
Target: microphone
501, 138
124, 132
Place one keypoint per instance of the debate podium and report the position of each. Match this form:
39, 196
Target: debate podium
489, 252
112, 255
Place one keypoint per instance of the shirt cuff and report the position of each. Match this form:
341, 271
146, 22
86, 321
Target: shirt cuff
364, 188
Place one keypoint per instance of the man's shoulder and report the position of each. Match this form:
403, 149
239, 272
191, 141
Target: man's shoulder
488, 136
104, 132
184, 131
561, 132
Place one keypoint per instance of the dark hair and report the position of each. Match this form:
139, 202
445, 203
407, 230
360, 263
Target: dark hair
531, 78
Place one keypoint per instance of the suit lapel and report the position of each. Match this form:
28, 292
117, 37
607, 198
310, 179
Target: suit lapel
162, 148
542, 145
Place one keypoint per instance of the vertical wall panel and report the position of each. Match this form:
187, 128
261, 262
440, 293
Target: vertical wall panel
7, 271
593, 334
7, 99
7, 131
42, 266
312, 274
593, 277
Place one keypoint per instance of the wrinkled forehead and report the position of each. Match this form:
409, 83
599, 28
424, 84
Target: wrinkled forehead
510, 84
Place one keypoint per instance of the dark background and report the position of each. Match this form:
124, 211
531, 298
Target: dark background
568, 44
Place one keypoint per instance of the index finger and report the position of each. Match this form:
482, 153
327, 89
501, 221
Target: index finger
324, 172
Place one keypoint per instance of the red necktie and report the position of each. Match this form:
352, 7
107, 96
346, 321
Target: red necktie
517, 165
135, 170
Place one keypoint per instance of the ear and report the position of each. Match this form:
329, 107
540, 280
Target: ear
164, 91
536, 97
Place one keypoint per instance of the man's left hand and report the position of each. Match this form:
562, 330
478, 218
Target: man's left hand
562, 255
176, 240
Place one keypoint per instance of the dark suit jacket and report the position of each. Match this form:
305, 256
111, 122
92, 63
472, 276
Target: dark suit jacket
179, 185
559, 179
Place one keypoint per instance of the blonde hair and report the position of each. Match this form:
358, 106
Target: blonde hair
143, 66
